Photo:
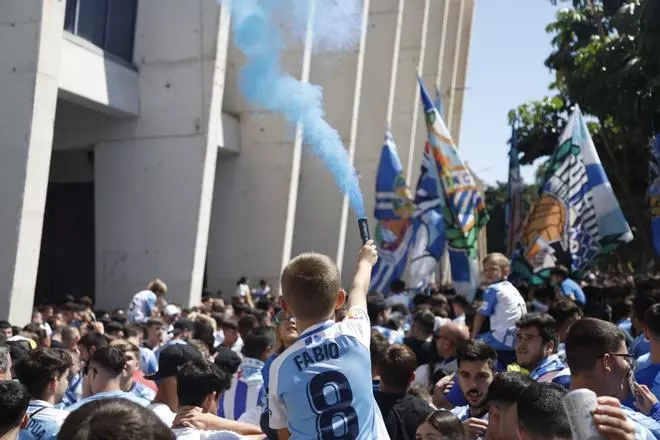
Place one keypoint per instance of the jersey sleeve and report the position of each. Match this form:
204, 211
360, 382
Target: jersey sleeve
490, 301
357, 323
276, 412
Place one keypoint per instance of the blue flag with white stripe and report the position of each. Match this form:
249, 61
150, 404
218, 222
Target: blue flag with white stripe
394, 211
654, 193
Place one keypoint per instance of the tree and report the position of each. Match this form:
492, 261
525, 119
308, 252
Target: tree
606, 57
496, 198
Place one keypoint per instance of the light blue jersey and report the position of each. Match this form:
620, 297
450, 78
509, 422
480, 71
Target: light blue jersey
321, 388
645, 427
504, 305
394, 336
45, 421
148, 361
141, 390
141, 305
109, 395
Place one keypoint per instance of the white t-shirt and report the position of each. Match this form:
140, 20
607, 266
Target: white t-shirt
163, 412
242, 290
399, 298
505, 306
195, 434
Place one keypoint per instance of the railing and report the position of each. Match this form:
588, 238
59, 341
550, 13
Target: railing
108, 24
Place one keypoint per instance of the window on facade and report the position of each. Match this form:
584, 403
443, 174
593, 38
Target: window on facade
108, 24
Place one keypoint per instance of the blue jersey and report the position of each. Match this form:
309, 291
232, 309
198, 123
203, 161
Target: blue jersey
246, 392
148, 361
569, 287
141, 305
109, 395
321, 388
141, 390
394, 336
45, 421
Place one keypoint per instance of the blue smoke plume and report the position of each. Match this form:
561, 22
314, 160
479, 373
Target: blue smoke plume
261, 30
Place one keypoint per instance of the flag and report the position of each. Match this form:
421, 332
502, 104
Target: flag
514, 204
461, 204
654, 193
394, 209
438, 102
577, 218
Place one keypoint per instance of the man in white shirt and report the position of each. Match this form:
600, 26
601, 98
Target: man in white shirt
398, 294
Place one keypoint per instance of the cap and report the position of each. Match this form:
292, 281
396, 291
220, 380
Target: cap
183, 325
172, 358
171, 310
227, 360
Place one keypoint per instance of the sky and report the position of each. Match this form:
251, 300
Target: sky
505, 68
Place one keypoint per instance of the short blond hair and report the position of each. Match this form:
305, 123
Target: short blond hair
497, 258
126, 346
310, 286
157, 286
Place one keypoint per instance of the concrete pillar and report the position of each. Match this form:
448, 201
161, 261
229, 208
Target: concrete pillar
154, 176
30, 52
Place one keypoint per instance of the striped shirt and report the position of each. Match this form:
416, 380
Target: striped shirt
246, 392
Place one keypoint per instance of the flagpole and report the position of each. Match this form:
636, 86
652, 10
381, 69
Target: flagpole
454, 72
395, 63
298, 143
357, 98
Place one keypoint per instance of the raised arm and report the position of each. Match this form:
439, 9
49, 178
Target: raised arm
360, 287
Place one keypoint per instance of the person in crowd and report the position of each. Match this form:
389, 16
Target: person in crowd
419, 336
231, 338
565, 312
377, 348
379, 314
644, 299
155, 334
246, 324
503, 393
598, 358
399, 294
14, 402
536, 342
460, 308
105, 375
42, 337
128, 382
447, 338
566, 287
70, 337
401, 412
262, 292
114, 419
441, 425
326, 352
648, 367
476, 369
5, 363
503, 304
181, 333
6, 329
165, 404
227, 360
247, 387
144, 301
135, 335
541, 414
624, 321
45, 374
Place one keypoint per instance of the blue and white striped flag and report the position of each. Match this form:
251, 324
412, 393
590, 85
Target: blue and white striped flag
394, 209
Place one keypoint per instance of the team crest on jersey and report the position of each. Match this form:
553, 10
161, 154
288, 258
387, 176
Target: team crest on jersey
355, 314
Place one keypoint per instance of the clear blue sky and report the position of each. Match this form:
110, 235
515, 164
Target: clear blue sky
505, 69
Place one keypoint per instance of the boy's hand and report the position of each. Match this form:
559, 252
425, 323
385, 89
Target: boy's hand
368, 253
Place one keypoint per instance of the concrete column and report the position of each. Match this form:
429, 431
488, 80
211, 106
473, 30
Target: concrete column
30, 52
154, 176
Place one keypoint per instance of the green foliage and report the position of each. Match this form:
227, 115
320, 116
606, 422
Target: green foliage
606, 58
496, 198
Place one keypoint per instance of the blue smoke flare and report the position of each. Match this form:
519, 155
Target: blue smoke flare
259, 34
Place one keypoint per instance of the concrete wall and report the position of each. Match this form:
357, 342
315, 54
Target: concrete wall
30, 53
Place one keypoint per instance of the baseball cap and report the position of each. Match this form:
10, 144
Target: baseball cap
172, 358
171, 310
182, 325
227, 360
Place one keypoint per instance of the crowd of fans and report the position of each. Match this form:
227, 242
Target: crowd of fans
326, 364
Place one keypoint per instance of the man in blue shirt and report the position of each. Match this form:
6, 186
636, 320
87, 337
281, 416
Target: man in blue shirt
144, 301
648, 370
45, 373
645, 297
566, 286
320, 387
105, 371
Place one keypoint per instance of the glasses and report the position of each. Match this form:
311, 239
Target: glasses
281, 318
630, 359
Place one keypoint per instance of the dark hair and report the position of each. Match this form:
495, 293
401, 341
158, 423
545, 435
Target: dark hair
563, 310
246, 323
559, 271
14, 401
114, 326
378, 347
4, 325
197, 379
261, 316
541, 412
93, 339
546, 325
37, 330
476, 351
135, 330
397, 286
259, 340
589, 339
397, 366
114, 419
653, 319
40, 366
644, 299
506, 387
310, 285
446, 424
110, 359
229, 323
425, 320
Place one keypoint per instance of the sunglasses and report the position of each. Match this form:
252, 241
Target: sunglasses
283, 317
